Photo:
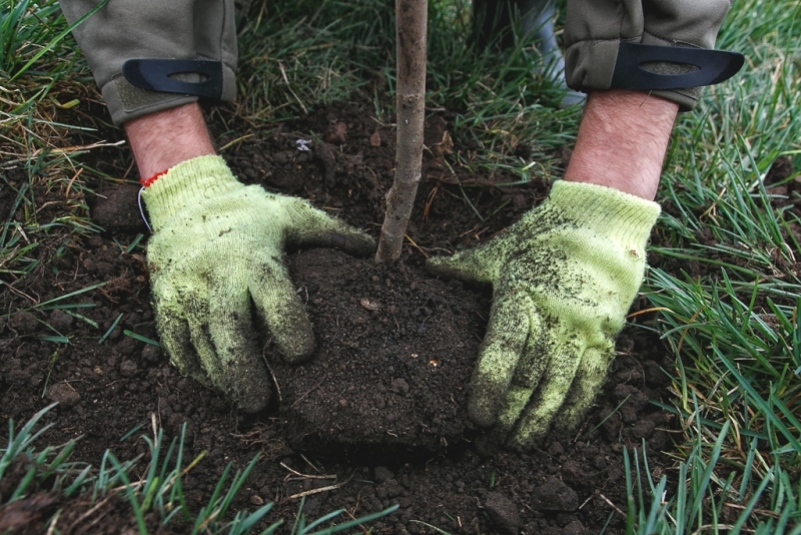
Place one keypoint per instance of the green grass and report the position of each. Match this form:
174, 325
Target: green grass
732, 319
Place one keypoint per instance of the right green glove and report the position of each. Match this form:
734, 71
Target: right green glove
218, 246
563, 279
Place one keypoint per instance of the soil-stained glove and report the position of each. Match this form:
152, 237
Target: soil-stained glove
563, 279
218, 246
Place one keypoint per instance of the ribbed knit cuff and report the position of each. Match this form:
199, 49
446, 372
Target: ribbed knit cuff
607, 211
188, 184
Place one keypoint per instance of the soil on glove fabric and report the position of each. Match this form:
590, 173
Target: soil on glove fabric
380, 410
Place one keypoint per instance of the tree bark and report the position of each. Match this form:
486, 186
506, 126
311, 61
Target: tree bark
411, 21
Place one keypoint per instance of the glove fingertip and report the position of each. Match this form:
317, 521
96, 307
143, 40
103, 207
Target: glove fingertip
176, 341
297, 347
466, 266
526, 441
246, 384
481, 415
441, 267
359, 244
484, 404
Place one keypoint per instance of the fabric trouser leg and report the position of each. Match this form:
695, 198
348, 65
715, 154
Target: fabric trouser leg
595, 29
153, 29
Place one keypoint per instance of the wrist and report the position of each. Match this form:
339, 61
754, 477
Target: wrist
622, 141
166, 138
621, 217
188, 184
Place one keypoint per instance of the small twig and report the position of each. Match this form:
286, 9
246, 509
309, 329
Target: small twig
317, 491
193, 463
647, 311
20, 293
272, 373
289, 86
310, 463
52, 527
69, 186
306, 476
237, 140
154, 426
613, 506
312, 389
364, 529
716, 527
89, 513
587, 501
755, 511
413, 244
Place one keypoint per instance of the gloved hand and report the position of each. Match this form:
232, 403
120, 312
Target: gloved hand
563, 279
217, 246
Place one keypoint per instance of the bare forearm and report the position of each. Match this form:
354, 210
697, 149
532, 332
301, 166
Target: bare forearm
164, 139
622, 141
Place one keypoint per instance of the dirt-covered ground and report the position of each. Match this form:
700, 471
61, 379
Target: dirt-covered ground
378, 416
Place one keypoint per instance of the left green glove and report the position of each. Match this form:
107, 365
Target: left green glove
563, 279
217, 247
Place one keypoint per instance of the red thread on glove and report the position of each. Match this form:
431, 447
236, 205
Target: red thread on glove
147, 182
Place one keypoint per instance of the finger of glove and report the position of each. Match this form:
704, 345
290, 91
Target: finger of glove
507, 332
176, 340
230, 351
468, 265
550, 396
213, 368
282, 312
312, 227
530, 367
586, 385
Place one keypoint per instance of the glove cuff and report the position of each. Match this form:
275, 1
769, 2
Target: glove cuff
185, 185
607, 211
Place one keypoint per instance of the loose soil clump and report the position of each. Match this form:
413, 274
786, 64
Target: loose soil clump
378, 416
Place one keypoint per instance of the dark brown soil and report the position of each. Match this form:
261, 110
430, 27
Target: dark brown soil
381, 408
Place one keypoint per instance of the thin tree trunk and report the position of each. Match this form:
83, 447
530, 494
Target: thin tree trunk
411, 21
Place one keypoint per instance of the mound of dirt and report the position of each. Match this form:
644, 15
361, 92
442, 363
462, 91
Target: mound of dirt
395, 353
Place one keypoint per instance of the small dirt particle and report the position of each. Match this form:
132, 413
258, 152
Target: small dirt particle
574, 528
60, 320
554, 495
503, 513
400, 386
151, 353
23, 322
375, 139
63, 394
642, 429
655, 375
382, 474
337, 134
370, 304
128, 368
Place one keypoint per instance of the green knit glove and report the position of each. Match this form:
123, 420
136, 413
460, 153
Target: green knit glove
563, 279
218, 246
